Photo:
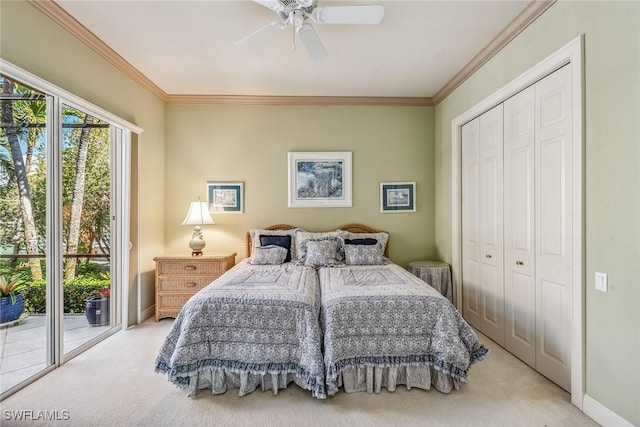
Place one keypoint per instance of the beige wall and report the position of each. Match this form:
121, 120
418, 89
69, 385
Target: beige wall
33, 42
612, 177
250, 144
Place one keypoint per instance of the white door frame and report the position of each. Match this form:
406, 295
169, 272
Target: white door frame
572, 54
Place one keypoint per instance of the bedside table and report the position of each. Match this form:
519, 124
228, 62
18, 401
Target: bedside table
435, 273
179, 278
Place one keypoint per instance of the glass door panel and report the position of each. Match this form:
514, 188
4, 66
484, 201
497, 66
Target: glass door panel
25, 323
86, 213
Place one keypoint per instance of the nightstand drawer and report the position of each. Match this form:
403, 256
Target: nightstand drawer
194, 267
183, 284
173, 302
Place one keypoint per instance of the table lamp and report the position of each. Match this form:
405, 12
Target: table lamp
198, 215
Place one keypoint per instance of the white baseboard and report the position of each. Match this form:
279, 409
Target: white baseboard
601, 414
148, 312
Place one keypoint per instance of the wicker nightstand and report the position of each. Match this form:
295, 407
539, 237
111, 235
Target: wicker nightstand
179, 278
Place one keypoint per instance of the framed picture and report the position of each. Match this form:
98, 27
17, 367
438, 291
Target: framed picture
319, 180
225, 197
397, 197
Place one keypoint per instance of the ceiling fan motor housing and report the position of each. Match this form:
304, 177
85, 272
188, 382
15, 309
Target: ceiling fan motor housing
288, 6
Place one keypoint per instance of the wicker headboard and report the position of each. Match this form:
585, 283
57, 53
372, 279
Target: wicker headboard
353, 228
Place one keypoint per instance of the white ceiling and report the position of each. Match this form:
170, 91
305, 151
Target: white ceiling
187, 47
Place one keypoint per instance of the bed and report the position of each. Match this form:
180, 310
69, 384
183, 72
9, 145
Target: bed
256, 326
383, 326
323, 310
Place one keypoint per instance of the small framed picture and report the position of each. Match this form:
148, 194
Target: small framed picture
396, 197
225, 197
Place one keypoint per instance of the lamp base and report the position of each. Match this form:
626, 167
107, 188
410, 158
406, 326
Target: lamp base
197, 243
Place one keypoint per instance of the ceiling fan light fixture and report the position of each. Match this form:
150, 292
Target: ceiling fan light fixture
299, 13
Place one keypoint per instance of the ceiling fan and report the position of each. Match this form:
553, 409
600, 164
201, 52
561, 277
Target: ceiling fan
301, 13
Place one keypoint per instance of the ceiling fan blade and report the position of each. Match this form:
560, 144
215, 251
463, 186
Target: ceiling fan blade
365, 14
312, 42
271, 4
261, 33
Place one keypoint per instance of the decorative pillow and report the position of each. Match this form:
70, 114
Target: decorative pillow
365, 241
301, 236
268, 255
363, 254
282, 241
255, 234
381, 237
323, 251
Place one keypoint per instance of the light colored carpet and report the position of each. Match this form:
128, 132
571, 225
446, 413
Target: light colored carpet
113, 384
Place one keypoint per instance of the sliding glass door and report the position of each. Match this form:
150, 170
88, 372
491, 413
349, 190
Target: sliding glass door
63, 230
25, 315
86, 227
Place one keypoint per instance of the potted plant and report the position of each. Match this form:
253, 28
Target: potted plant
11, 298
97, 307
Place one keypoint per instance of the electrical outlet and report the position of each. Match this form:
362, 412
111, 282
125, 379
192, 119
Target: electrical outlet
601, 282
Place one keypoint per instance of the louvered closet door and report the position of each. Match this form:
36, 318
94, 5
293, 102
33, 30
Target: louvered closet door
519, 233
554, 231
482, 228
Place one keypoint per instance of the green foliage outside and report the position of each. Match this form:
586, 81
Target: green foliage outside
92, 277
85, 190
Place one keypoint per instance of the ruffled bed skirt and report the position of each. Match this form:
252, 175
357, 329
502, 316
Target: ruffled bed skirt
372, 378
219, 380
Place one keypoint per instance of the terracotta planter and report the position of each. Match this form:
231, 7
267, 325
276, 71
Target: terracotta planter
97, 311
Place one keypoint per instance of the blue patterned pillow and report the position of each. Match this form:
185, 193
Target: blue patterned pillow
268, 255
283, 241
321, 252
301, 236
363, 254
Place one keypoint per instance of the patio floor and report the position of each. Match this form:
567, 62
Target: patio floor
23, 346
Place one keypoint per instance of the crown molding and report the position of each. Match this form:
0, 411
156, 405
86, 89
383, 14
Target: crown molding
522, 21
299, 100
56, 13
60, 16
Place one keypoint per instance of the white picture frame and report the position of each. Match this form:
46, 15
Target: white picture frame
319, 179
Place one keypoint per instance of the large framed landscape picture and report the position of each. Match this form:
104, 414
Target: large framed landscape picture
319, 179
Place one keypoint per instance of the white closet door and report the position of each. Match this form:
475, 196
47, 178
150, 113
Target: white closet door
554, 232
491, 225
519, 233
472, 292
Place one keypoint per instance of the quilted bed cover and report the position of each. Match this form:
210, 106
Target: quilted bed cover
383, 326
256, 326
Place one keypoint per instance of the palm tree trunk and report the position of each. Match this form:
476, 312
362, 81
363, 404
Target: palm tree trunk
26, 208
78, 200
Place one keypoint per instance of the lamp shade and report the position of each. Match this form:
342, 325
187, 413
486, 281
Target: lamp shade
198, 214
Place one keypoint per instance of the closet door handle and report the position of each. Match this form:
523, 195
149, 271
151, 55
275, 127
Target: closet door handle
519, 263
487, 256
